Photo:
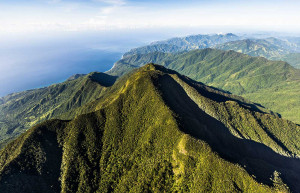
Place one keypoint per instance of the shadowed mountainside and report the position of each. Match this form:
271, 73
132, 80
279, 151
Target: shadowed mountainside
274, 84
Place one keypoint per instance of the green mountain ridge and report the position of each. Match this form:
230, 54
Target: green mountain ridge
156, 130
274, 84
75, 76
20, 111
199, 41
163, 47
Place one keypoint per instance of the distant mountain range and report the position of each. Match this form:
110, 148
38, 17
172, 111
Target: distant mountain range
156, 130
184, 44
270, 48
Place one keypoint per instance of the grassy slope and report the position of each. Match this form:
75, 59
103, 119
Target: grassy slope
20, 111
157, 131
271, 83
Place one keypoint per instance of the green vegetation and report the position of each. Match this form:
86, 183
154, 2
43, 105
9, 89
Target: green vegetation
157, 131
274, 84
154, 130
20, 111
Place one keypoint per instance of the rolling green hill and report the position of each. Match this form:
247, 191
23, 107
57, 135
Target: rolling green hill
20, 111
157, 131
274, 84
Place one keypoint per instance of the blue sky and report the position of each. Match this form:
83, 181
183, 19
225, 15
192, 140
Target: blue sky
78, 15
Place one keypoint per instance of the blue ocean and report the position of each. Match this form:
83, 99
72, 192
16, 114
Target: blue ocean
28, 62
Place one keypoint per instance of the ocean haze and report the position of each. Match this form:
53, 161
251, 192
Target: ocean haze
33, 61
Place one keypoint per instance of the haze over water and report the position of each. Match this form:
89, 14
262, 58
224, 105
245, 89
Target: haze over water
35, 60
31, 61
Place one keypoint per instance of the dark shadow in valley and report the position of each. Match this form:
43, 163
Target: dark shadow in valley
33, 170
215, 94
103, 79
257, 159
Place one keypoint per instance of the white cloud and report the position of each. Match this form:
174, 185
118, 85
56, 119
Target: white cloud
119, 14
112, 2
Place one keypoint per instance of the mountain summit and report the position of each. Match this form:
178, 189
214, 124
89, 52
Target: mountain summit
156, 130
273, 84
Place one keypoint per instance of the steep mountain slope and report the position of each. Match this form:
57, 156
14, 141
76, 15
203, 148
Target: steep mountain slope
159, 131
20, 111
270, 48
276, 85
184, 44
